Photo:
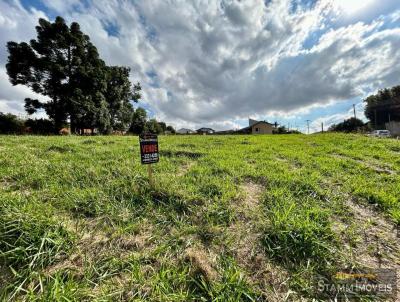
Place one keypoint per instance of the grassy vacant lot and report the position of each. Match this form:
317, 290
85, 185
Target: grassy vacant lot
231, 218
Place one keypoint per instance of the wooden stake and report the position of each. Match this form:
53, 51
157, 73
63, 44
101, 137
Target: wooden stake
150, 170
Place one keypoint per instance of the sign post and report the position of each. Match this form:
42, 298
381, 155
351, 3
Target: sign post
150, 170
149, 153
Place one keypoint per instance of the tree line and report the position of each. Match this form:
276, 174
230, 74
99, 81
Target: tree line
380, 108
12, 124
63, 65
383, 107
350, 125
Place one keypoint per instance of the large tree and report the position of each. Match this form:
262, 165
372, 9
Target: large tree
139, 119
383, 106
152, 126
65, 66
10, 124
350, 125
118, 94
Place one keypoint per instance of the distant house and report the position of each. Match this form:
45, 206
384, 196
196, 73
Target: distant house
86, 131
185, 131
64, 131
205, 131
258, 127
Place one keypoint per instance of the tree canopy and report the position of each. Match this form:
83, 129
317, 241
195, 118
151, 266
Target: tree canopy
284, 130
152, 126
138, 121
63, 65
383, 106
350, 125
10, 124
140, 124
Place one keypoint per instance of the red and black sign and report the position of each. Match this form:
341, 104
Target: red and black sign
148, 148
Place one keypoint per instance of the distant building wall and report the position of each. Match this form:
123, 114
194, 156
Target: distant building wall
184, 131
262, 128
393, 127
64, 131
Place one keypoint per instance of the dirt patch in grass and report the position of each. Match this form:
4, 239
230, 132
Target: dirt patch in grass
281, 159
7, 184
369, 165
137, 242
246, 235
377, 169
259, 180
185, 168
252, 196
371, 240
74, 263
12, 186
378, 242
89, 246
270, 279
94, 243
202, 263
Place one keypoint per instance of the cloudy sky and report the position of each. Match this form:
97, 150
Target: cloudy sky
217, 63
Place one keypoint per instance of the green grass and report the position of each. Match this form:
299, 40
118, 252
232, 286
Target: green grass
78, 220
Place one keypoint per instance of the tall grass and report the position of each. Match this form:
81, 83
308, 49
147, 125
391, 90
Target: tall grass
78, 220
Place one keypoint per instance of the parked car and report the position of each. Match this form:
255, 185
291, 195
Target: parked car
381, 133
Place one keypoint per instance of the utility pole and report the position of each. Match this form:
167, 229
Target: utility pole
354, 110
308, 126
322, 127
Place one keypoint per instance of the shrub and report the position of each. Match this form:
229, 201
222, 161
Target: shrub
10, 124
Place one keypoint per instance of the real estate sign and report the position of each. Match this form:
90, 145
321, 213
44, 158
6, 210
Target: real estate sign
148, 148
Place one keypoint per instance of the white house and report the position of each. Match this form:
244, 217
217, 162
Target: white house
185, 131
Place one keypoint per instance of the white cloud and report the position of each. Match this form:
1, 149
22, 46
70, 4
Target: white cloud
63, 6
16, 24
214, 62
12, 98
329, 120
